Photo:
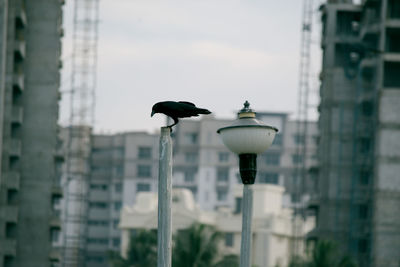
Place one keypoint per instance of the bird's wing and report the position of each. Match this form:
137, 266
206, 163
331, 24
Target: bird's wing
187, 103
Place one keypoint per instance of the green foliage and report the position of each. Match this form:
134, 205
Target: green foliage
196, 246
142, 251
324, 254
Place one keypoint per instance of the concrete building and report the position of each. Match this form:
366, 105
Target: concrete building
30, 48
359, 189
272, 224
205, 166
117, 162
123, 165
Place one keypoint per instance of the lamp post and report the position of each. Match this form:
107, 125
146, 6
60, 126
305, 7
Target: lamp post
247, 137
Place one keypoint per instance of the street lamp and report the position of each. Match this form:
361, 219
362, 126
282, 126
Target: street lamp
247, 137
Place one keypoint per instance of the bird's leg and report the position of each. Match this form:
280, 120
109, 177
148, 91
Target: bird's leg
175, 123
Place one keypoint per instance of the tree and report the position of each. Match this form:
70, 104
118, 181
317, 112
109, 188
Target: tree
324, 254
142, 251
197, 246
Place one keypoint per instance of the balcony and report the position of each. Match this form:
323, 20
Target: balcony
313, 202
55, 222
56, 190
11, 180
393, 23
55, 255
9, 214
20, 18
393, 57
19, 81
17, 115
19, 49
59, 154
15, 148
8, 247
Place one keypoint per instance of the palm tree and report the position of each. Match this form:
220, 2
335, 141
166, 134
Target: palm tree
230, 260
142, 251
197, 246
324, 254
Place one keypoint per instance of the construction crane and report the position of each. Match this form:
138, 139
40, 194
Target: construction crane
81, 121
300, 173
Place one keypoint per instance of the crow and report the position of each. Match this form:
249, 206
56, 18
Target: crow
175, 110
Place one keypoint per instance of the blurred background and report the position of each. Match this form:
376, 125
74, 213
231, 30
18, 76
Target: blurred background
79, 151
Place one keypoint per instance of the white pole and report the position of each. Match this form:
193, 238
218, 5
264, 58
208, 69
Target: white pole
247, 209
164, 199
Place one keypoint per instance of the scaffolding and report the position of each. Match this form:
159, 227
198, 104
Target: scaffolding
81, 121
300, 173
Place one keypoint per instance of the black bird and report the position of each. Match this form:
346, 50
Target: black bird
175, 110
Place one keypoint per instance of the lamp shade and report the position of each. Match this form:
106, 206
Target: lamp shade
247, 135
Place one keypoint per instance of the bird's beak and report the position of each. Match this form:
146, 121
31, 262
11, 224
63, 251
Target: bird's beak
152, 113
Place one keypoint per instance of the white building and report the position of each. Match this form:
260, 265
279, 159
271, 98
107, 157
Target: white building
272, 224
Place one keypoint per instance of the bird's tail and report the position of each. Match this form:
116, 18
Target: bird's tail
203, 111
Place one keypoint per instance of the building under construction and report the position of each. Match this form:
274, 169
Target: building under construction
30, 170
359, 149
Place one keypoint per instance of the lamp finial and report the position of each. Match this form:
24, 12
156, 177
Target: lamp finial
246, 111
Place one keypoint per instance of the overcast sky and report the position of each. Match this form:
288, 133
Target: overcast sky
214, 53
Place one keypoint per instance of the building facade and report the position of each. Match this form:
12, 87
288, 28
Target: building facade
358, 184
125, 164
205, 166
272, 224
30, 193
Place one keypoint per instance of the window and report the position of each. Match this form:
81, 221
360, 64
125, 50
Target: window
117, 205
269, 178
115, 223
272, 159
97, 259
102, 241
55, 201
119, 151
191, 138
362, 245
119, 171
118, 188
102, 187
97, 223
365, 145
144, 152
278, 140
364, 176
142, 187
144, 171
11, 230
193, 189
363, 211
98, 205
299, 139
12, 197
223, 156
238, 205
297, 159
316, 139
222, 194
54, 234
191, 157
229, 239
116, 242
189, 175
223, 174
